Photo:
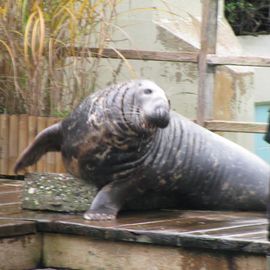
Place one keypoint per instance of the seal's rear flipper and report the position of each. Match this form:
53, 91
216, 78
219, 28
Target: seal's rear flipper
48, 140
267, 135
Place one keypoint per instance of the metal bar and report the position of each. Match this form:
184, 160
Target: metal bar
206, 72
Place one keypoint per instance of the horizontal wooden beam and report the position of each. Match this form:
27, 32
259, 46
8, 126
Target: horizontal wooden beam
213, 59
130, 54
230, 126
192, 57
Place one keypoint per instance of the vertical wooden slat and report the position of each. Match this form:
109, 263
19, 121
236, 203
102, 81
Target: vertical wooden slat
51, 159
32, 131
13, 144
59, 165
23, 132
4, 132
41, 125
206, 72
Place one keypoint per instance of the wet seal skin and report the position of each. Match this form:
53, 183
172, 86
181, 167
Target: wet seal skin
130, 145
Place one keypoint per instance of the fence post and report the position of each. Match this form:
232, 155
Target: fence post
206, 72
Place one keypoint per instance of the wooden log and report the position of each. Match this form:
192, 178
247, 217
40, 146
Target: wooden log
13, 144
4, 137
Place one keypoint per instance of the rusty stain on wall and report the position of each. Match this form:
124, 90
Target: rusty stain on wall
223, 95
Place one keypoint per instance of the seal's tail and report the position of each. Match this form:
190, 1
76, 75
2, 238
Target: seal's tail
48, 140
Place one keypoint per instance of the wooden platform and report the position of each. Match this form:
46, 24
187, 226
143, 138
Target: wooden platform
168, 239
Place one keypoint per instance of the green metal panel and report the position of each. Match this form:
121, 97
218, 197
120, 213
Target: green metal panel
262, 149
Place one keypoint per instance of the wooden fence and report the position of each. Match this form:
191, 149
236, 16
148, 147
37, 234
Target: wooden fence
16, 132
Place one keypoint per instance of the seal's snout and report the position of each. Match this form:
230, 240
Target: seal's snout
160, 117
154, 104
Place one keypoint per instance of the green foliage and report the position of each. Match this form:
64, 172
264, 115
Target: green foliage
248, 16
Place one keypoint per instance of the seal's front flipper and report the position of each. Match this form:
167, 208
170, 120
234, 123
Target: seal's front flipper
109, 200
50, 139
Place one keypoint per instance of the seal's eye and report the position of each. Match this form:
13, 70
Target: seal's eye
148, 91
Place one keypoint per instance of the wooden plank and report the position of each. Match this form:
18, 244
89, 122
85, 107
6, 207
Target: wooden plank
9, 227
59, 164
207, 73
4, 137
10, 197
32, 132
231, 126
13, 142
213, 59
130, 54
41, 125
50, 159
23, 132
177, 236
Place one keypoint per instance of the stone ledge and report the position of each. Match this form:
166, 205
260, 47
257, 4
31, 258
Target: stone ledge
56, 192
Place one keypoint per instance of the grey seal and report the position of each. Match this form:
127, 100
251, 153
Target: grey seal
127, 141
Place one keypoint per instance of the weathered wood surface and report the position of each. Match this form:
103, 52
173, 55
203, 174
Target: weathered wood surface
213, 59
16, 133
206, 72
130, 54
232, 126
231, 231
191, 57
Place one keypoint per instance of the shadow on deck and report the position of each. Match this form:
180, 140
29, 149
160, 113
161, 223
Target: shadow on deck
168, 239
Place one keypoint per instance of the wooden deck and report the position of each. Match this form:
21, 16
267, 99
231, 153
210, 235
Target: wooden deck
174, 239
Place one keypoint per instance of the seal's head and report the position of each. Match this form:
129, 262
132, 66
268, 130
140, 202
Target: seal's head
151, 105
